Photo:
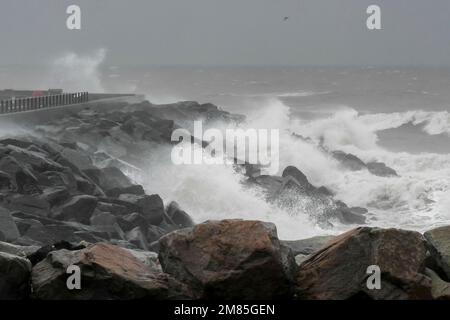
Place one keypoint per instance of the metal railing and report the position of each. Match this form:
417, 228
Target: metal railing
41, 102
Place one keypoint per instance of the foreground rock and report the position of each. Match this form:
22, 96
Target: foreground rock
230, 259
338, 271
107, 272
439, 245
14, 277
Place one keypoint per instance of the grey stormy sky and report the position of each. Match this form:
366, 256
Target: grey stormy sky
229, 32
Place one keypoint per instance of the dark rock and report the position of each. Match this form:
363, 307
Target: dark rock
298, 176
438, 242
14, 277
103, 219
16, 250
133, 220
23, 179
8, 227
6, 182
79, 208
380, 169
134, 189
40, 254
338, 271
115, 209
38, 161
154, 233
32, 204
76, 158
113, 181
151, 207
440, 288
230, 259
107, 272
137, 237
53, 233
55, 195
15, 142
178, 216
349, 160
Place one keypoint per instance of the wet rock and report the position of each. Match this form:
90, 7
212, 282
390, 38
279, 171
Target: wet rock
178, 216
380, 169
440, 288
103, 219
400, 255
154, 233
55, 195
22, 178
32, 204
300, 178
438, 241
133, 220
8, 227
79, 208
134, 189
38, 161
349, 160
113, 181
230, 259
151, 207
137, 237
14, 277
107, 272
115, 209
73, 232
16, 250
307, 246
6, 182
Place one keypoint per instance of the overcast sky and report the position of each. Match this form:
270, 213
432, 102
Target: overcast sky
229, 32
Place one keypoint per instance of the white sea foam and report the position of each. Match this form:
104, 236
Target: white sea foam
77, 72
418, 199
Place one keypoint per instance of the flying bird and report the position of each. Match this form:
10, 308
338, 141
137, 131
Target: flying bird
286, 19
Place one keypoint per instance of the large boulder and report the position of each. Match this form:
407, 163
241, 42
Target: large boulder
438, 241
14, 277
339, 270
8, 227
230, 259
107, 272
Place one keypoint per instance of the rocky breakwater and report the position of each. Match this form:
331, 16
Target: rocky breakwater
65, 201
